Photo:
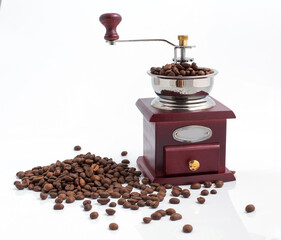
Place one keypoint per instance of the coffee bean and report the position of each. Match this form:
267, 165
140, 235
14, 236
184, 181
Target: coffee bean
156, 216
113, 226
110, 211
204, 192
187, 228
79, 197
121, 201
219, 183
112, 204
162, 212
174, 201
94, 215
20, 174
53, 194
70, 199
147, 219
195, 186
170, 211
213, 191
250, 208
201, 72
20, 186
126, 161
103, 201
134, 207
167, 67
59, 200
115, 195
168, 186
87, 207
175, 217
58, 206
207, 184
176, 192
94, 195
87, 202
47, 187
124, 153
185, 193
77, 148
201, 200
43, 196
141, 203
62, 196
154, 204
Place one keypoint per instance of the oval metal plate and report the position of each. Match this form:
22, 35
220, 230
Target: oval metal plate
192, 134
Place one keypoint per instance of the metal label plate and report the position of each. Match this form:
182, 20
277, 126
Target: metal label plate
192, 134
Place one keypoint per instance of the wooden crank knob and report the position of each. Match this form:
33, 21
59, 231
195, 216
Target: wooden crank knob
110, 21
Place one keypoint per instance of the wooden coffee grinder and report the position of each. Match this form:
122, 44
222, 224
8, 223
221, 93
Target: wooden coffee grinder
184, 129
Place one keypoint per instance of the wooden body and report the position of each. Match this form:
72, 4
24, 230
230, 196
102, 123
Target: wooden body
166, 160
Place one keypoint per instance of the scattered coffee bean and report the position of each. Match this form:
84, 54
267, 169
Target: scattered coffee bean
43, 196
175, 217
185, 193
168, 186
219, 183
70, 199
213, 191
176, 192
110, 211
94, 215
103, 201
20, 186
134, 207
187, 228
77, 148
250, 208
141, 203
126, 161
58, 206
124, 153
87, 202
147, 219
47, 187
170, 211
156, 216
127, 205
121, 201
195, 186
112, 204
59, 200
204, 192
162, 212
87, 207
201, 200
174, 201
207, 184
113, 226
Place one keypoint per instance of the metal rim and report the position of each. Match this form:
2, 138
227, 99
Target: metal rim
183, 77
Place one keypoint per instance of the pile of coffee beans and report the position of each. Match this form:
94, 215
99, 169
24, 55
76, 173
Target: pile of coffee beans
102, 179
181, 70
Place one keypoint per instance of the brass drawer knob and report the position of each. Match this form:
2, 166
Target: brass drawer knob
194, 165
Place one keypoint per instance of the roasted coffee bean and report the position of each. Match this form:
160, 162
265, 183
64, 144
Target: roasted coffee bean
201, 72
94, 215
168, 67
175, 217
185, 193
58, 206
156, 216
126, 161
141, 203
187, 228
70, 199
115, 195
170, 211
124, 153
94, 195
162, 212
87, 207
204, 192
201, 200
250, 208
20, 186
62, 196
207, 184
79, 197
43, 196
154, 204
174, 201
53, 194
127, 205
195, 186
20, 174
77, 148
134, 207
113, 226
59, 200
145, 180
121, 201
147, 219
168, 186
47, 187
110, 211
213, 191
87, 202
112, 204
103, 201
219, 183
176, 192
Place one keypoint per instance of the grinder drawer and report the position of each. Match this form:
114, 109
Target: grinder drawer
191, 159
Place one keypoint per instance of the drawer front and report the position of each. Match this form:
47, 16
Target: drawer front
181, 159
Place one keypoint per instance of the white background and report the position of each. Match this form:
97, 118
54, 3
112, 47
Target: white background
62, 85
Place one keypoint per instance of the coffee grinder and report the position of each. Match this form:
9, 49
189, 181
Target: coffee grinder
184, 129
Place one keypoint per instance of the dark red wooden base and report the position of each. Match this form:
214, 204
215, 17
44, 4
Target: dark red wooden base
182, 180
